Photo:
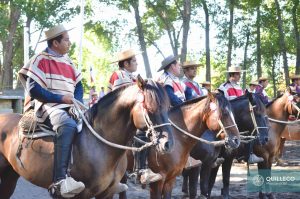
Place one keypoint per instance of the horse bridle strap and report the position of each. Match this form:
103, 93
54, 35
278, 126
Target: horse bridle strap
222, 142
147, 145
254, 121
223, 129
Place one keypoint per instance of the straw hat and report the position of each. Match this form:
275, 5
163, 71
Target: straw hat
262, 79
126, 54
167, 61
295, 77
54, 32
255, 83
189, 64
205, 83
234, 69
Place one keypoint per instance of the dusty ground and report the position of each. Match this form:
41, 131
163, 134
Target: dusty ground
238, 190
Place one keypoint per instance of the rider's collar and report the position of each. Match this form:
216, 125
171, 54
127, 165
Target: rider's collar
52, 52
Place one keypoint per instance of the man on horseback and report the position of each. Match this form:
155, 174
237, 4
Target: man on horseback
177, 91
295, 85
190, 72
260, 89
124, 76
52, 82
232, 90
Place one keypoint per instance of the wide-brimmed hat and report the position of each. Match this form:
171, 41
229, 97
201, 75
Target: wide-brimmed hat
168, 60
234, 69
262, 79
54, 32
295, 77
189, 64
255, 83
126, 54
205, 83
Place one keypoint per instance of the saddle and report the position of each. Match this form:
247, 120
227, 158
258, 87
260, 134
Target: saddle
29, 127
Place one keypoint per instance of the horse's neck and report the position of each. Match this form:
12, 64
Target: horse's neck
278, 111
190, 119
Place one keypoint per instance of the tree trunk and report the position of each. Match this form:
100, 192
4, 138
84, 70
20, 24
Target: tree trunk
135, 5
297, 37
282, 43
186, 27
273, 76
258, 45
230, 39
7, 70
207, 45
245, 58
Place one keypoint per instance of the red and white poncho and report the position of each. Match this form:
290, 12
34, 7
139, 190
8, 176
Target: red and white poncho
231, 90
55, 74
120, 78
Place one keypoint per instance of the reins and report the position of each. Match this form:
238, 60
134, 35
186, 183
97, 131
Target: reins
77, 105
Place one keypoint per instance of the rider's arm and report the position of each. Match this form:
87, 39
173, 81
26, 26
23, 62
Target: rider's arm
43, 95
188, 93
173, 98
78, 93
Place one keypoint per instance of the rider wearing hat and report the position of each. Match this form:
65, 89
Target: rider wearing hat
260, 89
252, 86
122, 77
232, 90
190, 72
295, 85
52, 82
177, 91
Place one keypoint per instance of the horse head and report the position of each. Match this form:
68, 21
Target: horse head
218, 117
253, 110
150, 113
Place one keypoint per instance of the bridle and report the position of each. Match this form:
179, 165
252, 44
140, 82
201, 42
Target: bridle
256, 127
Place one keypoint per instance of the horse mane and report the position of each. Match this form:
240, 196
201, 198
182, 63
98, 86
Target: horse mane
271, 102
156, 99
222, 103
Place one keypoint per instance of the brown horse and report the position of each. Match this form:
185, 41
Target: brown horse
278, 111
116, 117
194, 116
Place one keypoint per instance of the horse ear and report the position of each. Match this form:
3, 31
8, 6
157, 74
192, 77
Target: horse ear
210, 96
141, 82
247, 92
288, 89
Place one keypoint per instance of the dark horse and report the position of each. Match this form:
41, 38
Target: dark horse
250, 116
194, 116
116, 117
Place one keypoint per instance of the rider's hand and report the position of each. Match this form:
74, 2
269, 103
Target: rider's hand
67, 99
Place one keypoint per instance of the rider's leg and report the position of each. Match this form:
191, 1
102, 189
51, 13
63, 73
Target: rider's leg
66, 129
252, 157
147, 175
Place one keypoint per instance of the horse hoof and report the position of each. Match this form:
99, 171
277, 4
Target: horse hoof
262, 196
270, 196
202, 197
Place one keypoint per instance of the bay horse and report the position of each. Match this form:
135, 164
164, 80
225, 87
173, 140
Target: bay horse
116, 117
195, 116
278, 110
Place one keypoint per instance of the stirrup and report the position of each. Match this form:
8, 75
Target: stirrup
54, 191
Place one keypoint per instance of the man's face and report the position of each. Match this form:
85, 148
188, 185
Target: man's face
64, 45
236, 77
265, 83
132, 65
191, 72
176, 69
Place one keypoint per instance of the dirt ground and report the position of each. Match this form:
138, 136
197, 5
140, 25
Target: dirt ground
238, 189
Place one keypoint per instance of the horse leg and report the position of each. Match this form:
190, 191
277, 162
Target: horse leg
205, 173
193, 181
226, 167
264, 169
212, 179
185, 175
167, 189
8, 183
156, 189
123, 195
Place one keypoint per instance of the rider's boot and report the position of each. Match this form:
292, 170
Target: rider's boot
68, 187
254, 159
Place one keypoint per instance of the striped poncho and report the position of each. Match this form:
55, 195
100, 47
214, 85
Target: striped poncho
56, 74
